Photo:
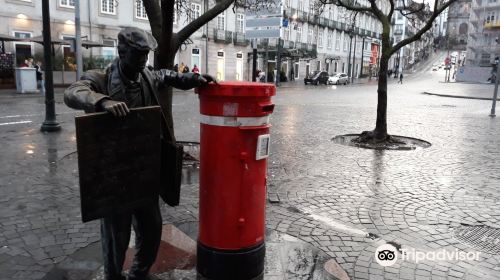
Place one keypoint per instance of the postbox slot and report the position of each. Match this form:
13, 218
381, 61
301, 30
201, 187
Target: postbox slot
267, 107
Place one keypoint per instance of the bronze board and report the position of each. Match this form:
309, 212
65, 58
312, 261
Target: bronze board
118, 161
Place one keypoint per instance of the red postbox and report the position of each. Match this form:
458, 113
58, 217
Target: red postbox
234, 146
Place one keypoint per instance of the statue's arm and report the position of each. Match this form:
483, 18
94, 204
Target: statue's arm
84, 95
183, 81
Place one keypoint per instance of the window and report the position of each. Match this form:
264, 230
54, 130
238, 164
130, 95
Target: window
286, 34
221, 21
109, 52
309, 36
329, 40
195, 11
344, 38
320, 38
108, 7
67, 3
490, 16
140, 11
240, 23
298, 36
301, 5
23, 50
337, 41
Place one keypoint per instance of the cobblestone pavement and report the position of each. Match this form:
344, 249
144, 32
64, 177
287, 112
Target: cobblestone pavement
343, 200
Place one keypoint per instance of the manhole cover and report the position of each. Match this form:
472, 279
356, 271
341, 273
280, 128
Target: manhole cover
482, 238
400, 143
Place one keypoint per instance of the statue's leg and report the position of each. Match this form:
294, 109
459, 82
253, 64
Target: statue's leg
115, 236
147, 226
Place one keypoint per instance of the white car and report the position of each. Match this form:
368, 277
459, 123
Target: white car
338, 78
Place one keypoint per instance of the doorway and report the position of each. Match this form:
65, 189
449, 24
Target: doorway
221, 64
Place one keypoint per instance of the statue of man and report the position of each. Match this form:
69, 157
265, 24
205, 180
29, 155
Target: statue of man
128, 83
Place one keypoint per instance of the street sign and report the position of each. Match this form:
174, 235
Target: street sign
264, 20
285, 22
118, 161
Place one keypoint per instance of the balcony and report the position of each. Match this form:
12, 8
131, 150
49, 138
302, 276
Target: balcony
302, 16
332, 24
323, 22
239, 39
313, 19
492, 25
223, 36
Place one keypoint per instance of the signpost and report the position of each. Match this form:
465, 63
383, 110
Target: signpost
264, 22
118, 161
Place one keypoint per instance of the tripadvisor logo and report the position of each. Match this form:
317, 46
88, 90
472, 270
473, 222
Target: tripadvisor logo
387, 255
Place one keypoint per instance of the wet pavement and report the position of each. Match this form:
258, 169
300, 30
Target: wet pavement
343, 201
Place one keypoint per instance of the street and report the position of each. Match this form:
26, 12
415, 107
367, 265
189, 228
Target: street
346, 201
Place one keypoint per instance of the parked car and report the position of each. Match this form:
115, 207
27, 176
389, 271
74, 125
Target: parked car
338, 78
316, 77
435, 67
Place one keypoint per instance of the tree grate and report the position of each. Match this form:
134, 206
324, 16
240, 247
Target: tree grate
482, 238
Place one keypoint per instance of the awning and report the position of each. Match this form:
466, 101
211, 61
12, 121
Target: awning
54, 41
91, 44
8, 38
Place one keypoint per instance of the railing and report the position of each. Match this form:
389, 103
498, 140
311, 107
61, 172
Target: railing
221, 35
239, 39
323, 21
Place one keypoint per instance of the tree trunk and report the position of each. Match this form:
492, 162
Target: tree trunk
165, 58
380, 132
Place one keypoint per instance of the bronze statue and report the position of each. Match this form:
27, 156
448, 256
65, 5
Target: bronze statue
128, 83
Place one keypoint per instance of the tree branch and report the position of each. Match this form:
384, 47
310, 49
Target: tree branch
356, 8
153, 11
426, 28
196, 24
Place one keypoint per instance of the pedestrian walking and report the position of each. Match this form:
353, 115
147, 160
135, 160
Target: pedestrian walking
292, 75
195, 69
401, 78
40, 82
131, 85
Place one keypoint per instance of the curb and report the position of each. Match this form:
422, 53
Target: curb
458, 96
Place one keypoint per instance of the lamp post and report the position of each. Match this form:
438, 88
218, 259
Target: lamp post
50, 124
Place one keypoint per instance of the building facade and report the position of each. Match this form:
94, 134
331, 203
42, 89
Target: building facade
458, 25
327, 38
483, 42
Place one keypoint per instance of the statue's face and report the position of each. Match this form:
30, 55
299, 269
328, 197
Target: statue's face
134, 60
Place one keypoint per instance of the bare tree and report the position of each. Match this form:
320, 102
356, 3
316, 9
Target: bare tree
420, 16
161, 20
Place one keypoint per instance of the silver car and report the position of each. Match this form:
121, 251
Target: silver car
338, 78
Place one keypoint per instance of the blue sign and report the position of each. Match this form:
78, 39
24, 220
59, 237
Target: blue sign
285, 22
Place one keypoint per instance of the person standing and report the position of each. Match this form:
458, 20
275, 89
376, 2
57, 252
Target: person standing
195, 69
401, 78
128, 83
39, 77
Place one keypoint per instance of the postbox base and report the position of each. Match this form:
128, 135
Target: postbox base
244, 264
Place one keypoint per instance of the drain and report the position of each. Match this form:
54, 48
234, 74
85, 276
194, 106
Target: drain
482, 238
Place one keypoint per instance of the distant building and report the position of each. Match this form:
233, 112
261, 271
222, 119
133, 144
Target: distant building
458, 24
483, 42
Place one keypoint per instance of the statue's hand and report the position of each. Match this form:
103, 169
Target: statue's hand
117, 108
199, 80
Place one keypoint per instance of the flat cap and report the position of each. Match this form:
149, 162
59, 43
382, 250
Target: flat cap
137, 38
